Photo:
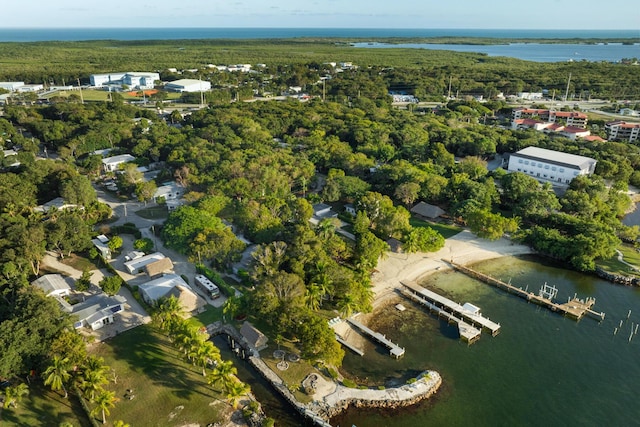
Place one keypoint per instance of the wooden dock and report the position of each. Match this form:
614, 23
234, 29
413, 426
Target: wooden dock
467, 332
472, 318
394, 349
574, 308
353, 348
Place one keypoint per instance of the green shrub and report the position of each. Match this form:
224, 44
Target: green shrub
411, 380
332, 373
348, 383
381, 387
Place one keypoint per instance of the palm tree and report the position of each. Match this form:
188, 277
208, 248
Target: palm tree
347, 305
235, 391
104, 401
206, 354
120, 423
91, 383
14, 394
314, 296
167, 312
57, 374
222, 373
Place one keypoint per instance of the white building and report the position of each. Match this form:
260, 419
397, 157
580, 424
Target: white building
112, 164
134, 80
623, 131
169, 191
550, 166
162, 287
137, 265
11, 86
529, 95
53, 285
188, 85
96, 311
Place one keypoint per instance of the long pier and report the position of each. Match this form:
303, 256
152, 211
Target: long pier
467, 332
472, 317
394, 349
574, 308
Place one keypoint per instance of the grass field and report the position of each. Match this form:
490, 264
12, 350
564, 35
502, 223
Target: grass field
43, 407
613, 265
79, 263
168, 391
444, 229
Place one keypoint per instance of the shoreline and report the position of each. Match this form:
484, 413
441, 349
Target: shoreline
464, 248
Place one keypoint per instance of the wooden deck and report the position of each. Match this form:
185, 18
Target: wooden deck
394, 349
575, 308
467, 332
475, 319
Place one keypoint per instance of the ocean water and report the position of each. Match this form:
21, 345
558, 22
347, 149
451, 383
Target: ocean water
77, 34
542, 369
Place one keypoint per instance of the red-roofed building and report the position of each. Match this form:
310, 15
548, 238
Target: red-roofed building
569, 118
623, 131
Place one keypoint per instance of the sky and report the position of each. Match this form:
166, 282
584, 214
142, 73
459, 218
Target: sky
489, 14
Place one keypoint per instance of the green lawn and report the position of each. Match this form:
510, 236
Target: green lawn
79, 262
444, 229
43, 407
168, 391
614, 266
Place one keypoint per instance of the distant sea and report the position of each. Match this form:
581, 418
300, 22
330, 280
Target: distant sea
79, 34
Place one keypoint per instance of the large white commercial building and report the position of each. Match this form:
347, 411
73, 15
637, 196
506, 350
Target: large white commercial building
133, 80
188, 85
551, 166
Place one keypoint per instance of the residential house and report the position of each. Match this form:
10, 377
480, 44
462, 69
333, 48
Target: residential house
112, 164
158, 267
53, 285
137, 265
427, 211
171, 285
97, 311
254, 337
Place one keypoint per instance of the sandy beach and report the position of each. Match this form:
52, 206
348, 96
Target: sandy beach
464, 248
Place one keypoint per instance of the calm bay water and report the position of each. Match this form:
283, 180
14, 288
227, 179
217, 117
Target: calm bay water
537, 52
542, 369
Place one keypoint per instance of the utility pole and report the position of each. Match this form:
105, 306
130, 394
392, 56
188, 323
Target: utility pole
449, 93
566, 94
80, 87
324, 85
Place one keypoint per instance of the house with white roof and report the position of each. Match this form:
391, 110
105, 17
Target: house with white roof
171, 285
112, 164
97, 311
53, 285
137, 265
550, 166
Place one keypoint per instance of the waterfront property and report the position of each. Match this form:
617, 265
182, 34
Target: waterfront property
551, 166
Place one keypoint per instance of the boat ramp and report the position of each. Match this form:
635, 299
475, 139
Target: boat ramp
574, 308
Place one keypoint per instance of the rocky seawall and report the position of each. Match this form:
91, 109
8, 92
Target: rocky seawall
425, 386
616, 278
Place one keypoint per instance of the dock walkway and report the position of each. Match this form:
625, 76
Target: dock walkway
574, 308
473, 318
394, 349
467, 332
